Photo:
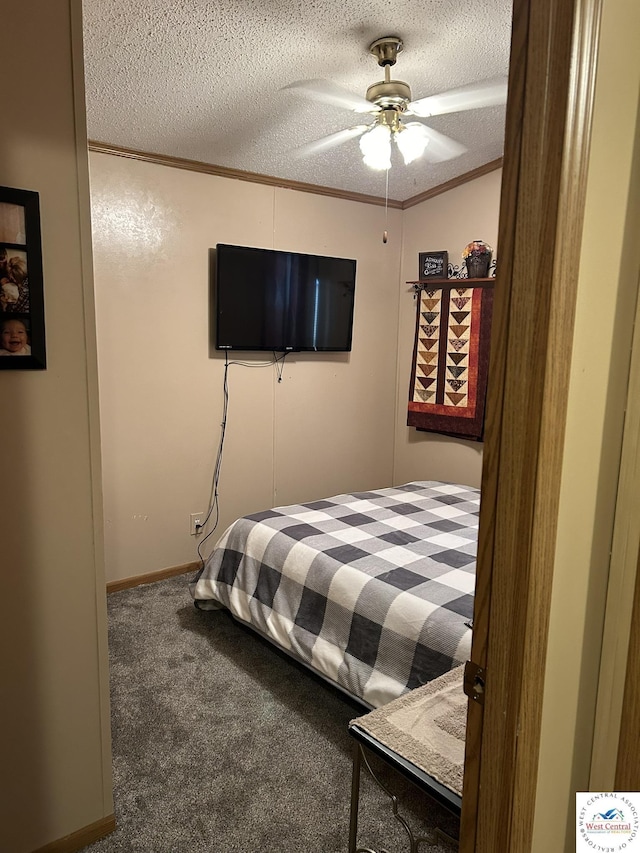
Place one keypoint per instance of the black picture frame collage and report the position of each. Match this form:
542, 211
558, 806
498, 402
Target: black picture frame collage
22, 327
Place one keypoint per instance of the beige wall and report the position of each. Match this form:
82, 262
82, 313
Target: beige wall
54, 712
326, 427
448, 221
609, 266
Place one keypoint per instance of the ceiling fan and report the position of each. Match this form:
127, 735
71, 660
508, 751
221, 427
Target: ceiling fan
390, 102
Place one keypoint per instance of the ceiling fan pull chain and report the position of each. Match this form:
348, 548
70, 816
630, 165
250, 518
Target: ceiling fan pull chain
385, 233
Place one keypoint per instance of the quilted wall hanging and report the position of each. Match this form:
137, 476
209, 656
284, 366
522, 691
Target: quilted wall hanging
451, 358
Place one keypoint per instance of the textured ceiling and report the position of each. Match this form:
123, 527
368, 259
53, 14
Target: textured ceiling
203, 81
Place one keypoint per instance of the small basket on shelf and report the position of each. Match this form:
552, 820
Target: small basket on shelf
477, 257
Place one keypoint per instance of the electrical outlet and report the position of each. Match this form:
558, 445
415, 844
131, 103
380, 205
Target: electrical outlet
195, 523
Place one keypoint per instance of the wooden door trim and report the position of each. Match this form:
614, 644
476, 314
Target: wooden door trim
551, 89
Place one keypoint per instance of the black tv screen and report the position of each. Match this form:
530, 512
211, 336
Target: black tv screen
267, 299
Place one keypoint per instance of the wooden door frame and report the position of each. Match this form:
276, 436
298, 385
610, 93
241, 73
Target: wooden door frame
551, 91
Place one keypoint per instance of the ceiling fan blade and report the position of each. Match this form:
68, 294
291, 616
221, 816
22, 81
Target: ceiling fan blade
439, 147
330, 141
327, 92
485, 94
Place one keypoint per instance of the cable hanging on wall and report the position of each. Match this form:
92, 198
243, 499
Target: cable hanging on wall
214, 497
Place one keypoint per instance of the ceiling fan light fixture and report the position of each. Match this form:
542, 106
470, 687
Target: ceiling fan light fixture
375, 145
391, 103
411, 141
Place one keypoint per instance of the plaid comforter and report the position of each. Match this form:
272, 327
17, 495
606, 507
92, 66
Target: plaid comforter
373, 590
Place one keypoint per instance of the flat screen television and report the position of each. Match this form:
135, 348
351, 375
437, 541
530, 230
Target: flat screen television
267, 299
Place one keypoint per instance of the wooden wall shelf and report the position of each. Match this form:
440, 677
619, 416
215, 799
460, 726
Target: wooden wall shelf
455, 282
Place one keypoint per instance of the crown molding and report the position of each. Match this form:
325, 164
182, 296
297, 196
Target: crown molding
453, 183
255, 178
236, 174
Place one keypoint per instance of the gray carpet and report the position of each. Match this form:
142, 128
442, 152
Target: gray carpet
223, 744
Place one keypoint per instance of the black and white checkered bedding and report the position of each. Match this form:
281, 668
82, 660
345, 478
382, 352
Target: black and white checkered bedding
373, 590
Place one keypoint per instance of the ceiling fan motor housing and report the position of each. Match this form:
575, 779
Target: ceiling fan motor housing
389, 93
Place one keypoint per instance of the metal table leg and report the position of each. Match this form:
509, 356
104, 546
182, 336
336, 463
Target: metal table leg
433, 836
355, 798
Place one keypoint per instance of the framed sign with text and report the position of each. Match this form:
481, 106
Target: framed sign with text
433, 264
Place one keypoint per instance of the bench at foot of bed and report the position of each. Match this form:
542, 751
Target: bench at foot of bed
421, 735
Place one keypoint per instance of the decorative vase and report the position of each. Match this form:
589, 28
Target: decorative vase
478, 266
477, 257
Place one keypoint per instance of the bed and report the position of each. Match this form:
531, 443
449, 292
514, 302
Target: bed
371, 590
